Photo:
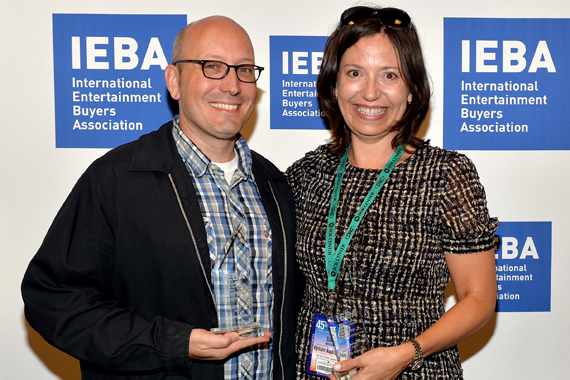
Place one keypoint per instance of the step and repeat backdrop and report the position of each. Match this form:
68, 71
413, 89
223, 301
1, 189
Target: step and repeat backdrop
79, 78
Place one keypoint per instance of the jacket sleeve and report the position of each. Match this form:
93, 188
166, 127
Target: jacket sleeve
68, 292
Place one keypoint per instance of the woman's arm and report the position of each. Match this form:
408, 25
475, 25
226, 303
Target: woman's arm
475, 283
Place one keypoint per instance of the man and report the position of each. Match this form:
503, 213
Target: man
179, 232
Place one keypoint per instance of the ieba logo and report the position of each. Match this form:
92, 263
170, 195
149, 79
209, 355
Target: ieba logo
109, 76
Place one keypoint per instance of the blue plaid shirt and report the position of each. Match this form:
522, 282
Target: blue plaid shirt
239, 239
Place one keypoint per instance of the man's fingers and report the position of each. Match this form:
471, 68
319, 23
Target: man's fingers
247, 342
207, 346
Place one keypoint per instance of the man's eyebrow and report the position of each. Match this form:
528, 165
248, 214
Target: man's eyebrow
216, 57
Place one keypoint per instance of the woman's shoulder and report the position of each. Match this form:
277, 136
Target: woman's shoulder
445, 164
312, 165
434, 155
320, 157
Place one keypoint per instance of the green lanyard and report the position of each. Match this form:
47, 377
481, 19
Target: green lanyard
334, 258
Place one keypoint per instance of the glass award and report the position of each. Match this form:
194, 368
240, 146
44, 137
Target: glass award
233, 294
250, 330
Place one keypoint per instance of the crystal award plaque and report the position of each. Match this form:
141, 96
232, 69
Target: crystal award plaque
233, 296
250, 330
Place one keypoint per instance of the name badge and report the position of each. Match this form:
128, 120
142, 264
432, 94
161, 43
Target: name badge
331, 342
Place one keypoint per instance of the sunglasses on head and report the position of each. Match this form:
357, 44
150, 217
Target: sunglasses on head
393, 18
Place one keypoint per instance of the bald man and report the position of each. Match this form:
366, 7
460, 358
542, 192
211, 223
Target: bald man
179, 232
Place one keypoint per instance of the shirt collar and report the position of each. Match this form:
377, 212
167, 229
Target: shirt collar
198, 162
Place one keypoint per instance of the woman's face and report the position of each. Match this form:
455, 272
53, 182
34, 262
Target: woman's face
371, 93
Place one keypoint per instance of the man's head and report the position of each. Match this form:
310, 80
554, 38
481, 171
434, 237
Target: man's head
211, 110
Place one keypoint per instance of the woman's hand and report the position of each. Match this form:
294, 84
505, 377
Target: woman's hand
383, 363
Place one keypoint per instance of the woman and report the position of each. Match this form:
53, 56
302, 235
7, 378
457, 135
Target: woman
427, 223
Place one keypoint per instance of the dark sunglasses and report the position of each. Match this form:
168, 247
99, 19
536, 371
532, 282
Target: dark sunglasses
393, 18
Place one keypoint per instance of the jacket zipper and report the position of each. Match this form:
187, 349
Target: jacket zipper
284, 281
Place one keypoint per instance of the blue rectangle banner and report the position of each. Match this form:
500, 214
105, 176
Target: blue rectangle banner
295, 64
524, 266
505, 84
109, 76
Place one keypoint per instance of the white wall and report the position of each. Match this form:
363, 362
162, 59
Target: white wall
35, 177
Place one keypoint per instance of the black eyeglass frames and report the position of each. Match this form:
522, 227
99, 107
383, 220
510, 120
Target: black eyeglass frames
218, 70
393, 18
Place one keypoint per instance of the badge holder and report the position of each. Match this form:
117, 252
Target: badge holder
338, 334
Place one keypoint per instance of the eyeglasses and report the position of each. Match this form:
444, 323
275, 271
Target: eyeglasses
393, 18
218, 70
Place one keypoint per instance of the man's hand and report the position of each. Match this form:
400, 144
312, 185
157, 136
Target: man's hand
205, 345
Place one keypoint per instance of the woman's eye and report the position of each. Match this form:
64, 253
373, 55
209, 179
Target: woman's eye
391, 76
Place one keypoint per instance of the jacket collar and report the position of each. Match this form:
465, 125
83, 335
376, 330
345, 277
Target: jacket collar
156, 151
198, 162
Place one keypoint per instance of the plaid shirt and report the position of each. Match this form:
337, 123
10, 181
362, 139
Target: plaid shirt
239, 239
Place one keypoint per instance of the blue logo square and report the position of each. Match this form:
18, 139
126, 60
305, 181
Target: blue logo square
523, 263
295, 64
109, 76
505, 84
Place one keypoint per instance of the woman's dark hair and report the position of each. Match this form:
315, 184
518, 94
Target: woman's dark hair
413, 71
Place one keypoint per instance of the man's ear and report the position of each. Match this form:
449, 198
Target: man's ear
171, 76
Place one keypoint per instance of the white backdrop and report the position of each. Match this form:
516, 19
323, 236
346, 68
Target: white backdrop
36, 177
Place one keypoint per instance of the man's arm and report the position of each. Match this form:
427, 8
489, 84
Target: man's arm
68, 291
